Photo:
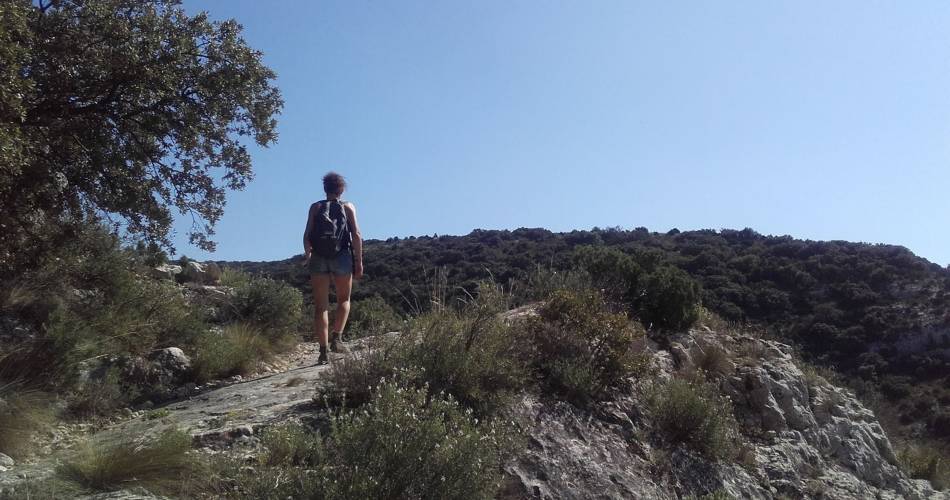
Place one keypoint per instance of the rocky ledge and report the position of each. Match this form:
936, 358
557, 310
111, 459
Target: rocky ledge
806, 437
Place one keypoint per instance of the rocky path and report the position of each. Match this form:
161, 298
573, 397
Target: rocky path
234, 409
217, 416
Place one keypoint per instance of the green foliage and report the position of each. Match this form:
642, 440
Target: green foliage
582, 349
235, 350
372, 316
403, 444
93, 303
661, 296
291, 444
612, 269
272, 306
670, 300
159, 463
234, 277
833, 299
694, 414
466, 352
160, 108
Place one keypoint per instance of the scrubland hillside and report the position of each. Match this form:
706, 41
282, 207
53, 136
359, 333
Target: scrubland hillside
603, 373
876, 314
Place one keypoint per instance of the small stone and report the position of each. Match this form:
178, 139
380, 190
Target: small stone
6, 460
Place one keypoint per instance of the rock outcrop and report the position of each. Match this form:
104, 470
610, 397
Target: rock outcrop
806, 437
207, 273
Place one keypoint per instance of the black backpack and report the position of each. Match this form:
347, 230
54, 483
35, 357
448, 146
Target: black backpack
330, 232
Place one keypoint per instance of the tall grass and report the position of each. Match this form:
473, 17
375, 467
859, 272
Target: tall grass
925, 461
235, 350
160, 464
23, 411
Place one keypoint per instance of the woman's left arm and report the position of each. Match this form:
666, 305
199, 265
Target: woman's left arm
357, 240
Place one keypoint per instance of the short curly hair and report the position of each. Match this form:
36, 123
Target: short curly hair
333, 183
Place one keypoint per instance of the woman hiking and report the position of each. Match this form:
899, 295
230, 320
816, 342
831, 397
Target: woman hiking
333, 250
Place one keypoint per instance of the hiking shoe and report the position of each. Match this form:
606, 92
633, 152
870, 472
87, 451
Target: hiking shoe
336, 344
323, 359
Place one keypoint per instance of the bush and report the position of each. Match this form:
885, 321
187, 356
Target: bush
351, 380
669, 300
695, 415
291, 444
466, 352
236, 350
270, 305
613, 270
404, 445
161, 463
372, 316
581, 349
541, 282
662, 296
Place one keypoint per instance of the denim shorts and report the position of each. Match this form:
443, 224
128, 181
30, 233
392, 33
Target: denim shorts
341, 265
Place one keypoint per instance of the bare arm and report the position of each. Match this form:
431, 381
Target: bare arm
357, 240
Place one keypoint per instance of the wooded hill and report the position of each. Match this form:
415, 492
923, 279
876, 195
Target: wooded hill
876, 313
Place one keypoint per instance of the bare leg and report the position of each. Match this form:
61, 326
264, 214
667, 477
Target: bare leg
321, 292
343, 284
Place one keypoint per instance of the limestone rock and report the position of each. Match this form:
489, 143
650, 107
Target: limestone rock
170, 364
165, 271
208, 273
6, 461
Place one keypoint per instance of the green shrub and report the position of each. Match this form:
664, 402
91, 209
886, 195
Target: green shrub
234, 277
611, 269
270, 305
695, 415
921, 461
161, 463
541, 282
90, 302
466, 352
236, 350
669, 300
404, 444
372, 316
23, 411
660, 295
350, 381
291, 444
581, 349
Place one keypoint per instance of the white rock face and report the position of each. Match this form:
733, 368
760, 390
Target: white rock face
818, 440
172, 363
208, 273
165, 271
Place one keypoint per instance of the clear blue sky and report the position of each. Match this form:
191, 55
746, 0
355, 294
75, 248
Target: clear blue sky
822, 121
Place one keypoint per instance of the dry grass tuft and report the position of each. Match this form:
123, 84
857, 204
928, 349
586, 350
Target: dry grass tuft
162, 463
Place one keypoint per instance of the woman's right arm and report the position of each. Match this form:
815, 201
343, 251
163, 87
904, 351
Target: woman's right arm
306, 232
